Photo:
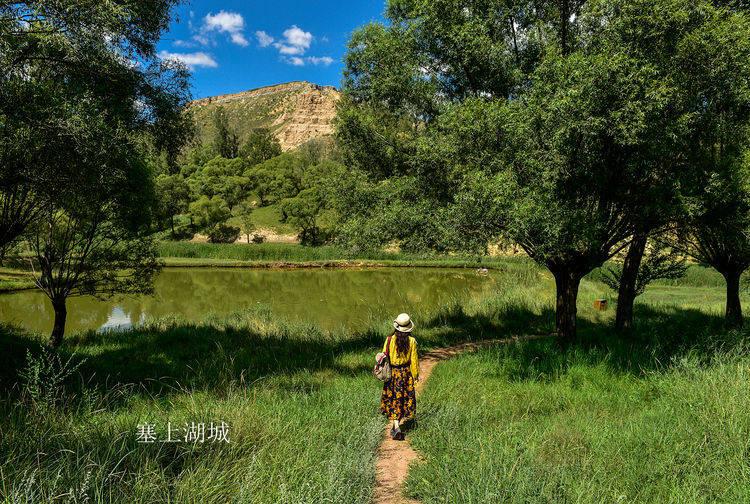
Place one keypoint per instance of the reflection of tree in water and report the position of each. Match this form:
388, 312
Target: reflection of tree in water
33, 310
327, 297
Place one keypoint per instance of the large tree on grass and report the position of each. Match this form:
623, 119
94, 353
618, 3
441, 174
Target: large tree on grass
83, 89
573, 175
93, 237
522, 121
57, 53
716, 230
173, 195
700, 62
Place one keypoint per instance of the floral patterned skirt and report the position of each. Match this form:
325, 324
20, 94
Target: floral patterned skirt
399, 400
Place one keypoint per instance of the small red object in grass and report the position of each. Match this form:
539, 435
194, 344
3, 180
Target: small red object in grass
600, 304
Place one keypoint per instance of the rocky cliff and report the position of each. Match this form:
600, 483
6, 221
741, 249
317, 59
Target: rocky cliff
296, 112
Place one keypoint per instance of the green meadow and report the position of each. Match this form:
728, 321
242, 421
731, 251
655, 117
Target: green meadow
658, 415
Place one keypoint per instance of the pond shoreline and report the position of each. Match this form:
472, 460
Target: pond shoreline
203, 263
6, 290
182, 262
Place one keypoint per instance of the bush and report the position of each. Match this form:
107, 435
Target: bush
258, 238
44, 375
183, 233
223, 233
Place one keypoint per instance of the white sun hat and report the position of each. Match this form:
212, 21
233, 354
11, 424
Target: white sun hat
403, 323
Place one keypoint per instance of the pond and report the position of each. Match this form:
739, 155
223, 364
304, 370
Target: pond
329, 297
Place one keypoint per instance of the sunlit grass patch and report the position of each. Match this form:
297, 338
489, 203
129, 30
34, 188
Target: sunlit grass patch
608, 421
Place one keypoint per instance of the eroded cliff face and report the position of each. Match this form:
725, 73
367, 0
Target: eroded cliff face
296, 112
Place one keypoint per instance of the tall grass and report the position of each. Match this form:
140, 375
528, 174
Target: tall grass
214, 254
529, 423
15, 279
300, 402
658, 416
695, 276
284, 389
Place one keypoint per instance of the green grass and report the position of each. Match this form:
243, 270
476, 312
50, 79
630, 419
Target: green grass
213, 254
696, 276
301, 404
285, 390
269, 217
657, 416
14, 279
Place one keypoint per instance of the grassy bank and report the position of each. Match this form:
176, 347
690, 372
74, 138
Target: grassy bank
285, 390
302, 407
237, 254
301, 404
659, 416
13, 279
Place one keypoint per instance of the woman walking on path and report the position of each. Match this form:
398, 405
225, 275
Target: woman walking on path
399, 402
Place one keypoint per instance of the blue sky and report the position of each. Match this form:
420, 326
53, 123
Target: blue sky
234, 46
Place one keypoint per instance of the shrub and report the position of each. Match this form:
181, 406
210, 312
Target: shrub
44, 375
183, 233
223, 233
258, 238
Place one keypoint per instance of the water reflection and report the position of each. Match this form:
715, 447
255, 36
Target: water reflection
331, 297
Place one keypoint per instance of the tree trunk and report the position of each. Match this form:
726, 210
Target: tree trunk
567, 283
61, 313
565, 15
628, 282
171, 219
734, 308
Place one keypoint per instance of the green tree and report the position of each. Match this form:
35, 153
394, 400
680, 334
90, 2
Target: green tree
244, 211
659, 263
83, 90
94, 237
695, 97
303, 211
55, 53
277, 178
173, 195
559, 132
222, 177
312, 210
226, 142
208, 212
261, 145
716, 230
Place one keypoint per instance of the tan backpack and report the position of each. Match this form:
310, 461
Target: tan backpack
382, 369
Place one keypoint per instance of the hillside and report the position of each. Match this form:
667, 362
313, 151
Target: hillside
296, 112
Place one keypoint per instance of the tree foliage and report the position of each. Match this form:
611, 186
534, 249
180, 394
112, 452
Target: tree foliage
565, 127
84, 100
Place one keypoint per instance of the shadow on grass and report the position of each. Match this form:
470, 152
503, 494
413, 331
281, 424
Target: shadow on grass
658, 338
169, 356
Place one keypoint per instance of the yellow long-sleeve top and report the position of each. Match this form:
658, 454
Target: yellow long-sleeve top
411, 355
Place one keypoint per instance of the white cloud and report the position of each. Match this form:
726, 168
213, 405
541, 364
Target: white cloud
191, 60
293, 46
296, 41
310, 60
202, 39
226, 22
264, 39
324, 60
